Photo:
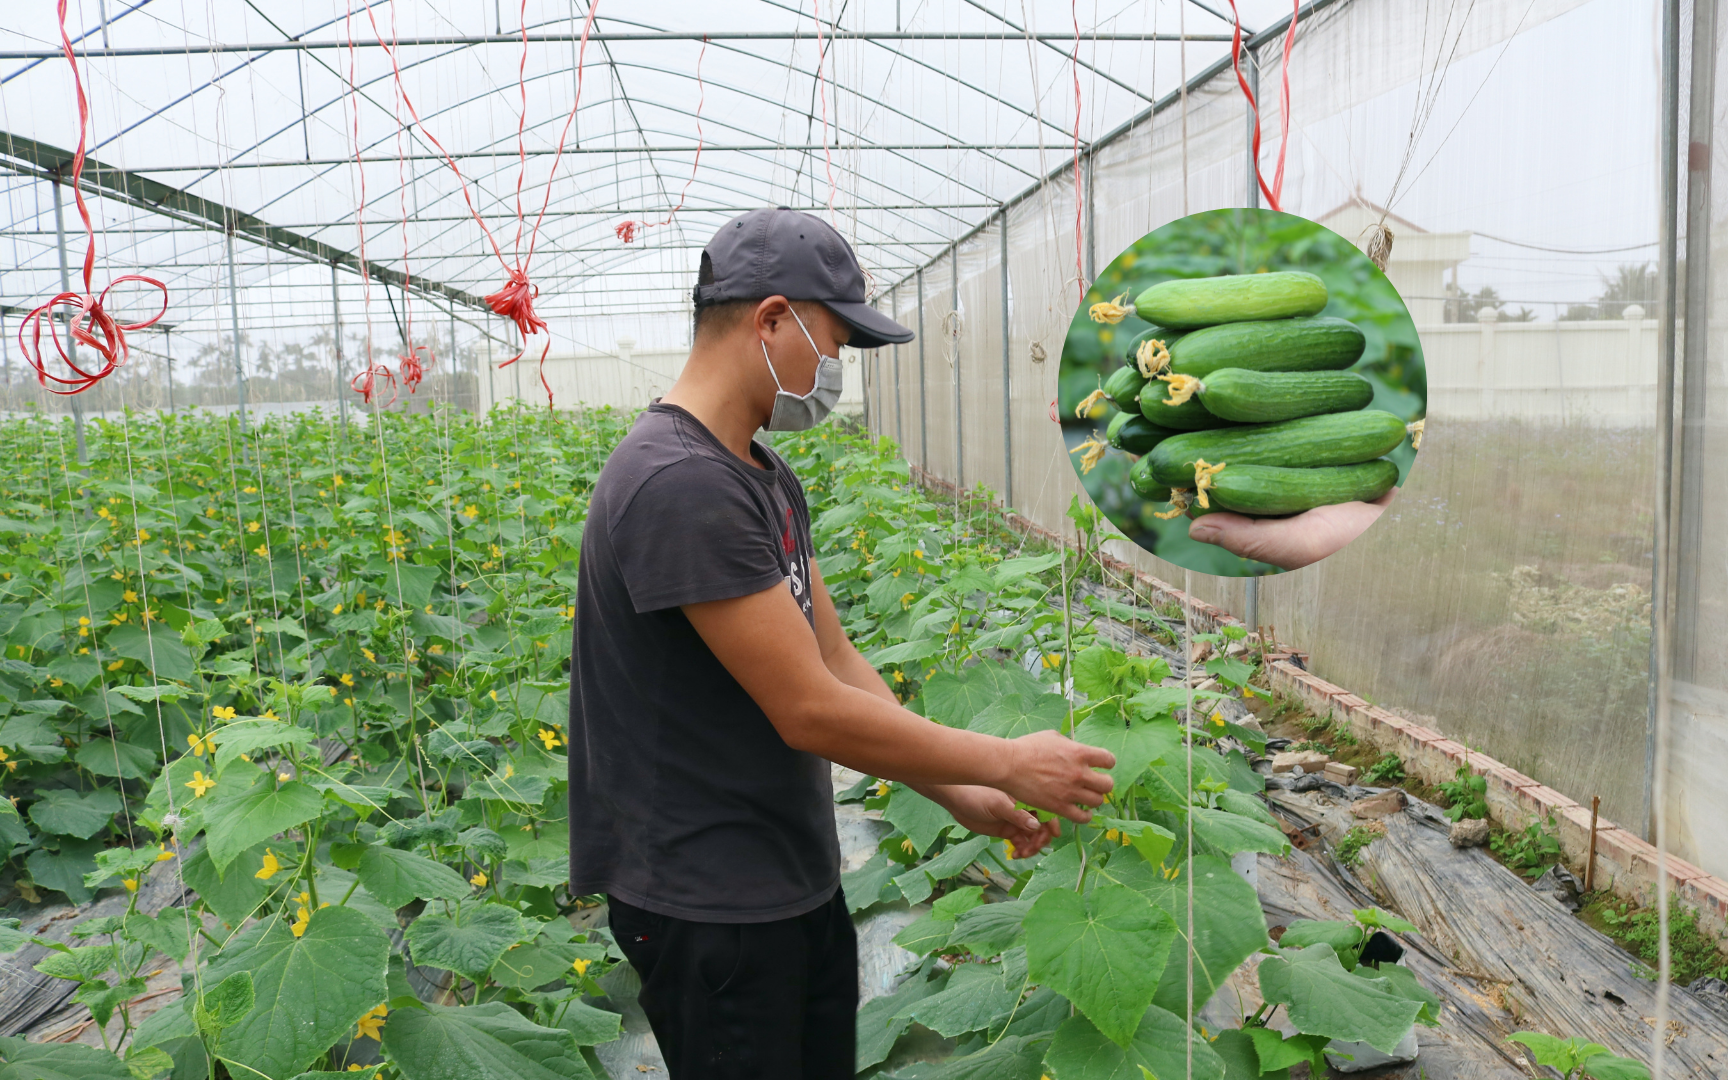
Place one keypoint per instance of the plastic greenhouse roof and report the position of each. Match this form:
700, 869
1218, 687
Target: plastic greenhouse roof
925, 119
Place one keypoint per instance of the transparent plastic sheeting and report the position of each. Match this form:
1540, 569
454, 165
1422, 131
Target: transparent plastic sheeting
919, 122
1505, 596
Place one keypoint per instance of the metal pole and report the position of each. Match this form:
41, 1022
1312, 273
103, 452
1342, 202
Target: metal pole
168, 354
899, 402
452, 364
71, 346
234, 319
923, 383
1669, 269
336, 314
1091, 227
1007, 383
1251, 72
491, 378
959, 444
1694, 372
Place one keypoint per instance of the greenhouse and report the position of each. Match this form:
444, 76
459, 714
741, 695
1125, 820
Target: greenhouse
953, 718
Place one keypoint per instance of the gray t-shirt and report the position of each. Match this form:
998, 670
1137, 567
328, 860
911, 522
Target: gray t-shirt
684, 799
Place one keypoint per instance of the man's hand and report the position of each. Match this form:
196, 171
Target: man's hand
993, 813
1291, 542
1051, 771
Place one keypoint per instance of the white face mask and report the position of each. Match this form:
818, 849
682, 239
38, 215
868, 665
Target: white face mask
795, 413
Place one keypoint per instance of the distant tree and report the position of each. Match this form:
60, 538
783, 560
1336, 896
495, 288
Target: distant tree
1631, 283
1464, 307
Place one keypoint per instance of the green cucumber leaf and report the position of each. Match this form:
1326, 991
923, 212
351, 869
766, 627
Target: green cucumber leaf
1079, 1051
977, 996
1136, 743
310, 990
1229, 927
480, 1042
990, 928
1021, 714
881, 1020
468, 942
64, 812
921, 819
254, 814
397, 877
22, 1060
251, 736
1104, 952
1324, 999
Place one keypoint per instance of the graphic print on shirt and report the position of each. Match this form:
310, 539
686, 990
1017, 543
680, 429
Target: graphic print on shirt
798, 566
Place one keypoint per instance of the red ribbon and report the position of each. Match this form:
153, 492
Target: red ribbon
515, 299
363, 382
627, 230
1275, 192
89, 322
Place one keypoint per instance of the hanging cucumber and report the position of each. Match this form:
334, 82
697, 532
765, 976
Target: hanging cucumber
1134, 433
1189, 303
1123, 387
1269, 491
1316, 344
1265, 397
1140, 479
1333, 439
1183, 416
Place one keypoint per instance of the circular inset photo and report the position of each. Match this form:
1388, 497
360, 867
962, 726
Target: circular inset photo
1242, 392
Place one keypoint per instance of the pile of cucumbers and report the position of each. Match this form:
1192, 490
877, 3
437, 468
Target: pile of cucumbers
1265, 408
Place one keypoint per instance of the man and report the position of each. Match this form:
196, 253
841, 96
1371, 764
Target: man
712, 684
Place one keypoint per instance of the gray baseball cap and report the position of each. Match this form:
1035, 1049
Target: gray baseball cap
782, 252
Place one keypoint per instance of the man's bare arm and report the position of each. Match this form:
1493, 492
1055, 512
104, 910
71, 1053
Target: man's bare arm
764, 641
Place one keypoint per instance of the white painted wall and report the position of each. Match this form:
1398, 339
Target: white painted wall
1601, 373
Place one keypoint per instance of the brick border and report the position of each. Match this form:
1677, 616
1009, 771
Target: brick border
1625, 863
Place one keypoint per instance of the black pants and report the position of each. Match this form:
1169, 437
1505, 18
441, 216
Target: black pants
764, 1001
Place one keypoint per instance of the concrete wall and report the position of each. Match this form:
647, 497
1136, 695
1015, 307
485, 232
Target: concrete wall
1598, 373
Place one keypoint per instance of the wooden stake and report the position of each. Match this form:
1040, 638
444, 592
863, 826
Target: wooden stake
1590, 863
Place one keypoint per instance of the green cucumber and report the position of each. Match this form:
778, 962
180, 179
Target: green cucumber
1135, 434
1189, 303
1265, 397
1162, 333
1332, 439
1320, 344
1140, 479
1123, 387
1268, 491
1188, 416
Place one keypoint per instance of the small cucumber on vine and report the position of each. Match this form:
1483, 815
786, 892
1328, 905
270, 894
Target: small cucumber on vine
1190, 303
1317, 344
1333, 439
1270, 491
1266, 397
1134, 433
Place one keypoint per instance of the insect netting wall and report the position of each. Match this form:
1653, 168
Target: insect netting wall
1505, 596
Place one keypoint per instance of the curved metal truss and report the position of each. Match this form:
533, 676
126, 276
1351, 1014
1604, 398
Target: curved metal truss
914, 124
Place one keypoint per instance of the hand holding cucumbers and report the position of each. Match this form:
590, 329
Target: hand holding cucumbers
1240, 401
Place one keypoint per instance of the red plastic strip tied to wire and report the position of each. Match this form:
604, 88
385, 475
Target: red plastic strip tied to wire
365, 382
515, 300
1275, 192
89, 323
627, 230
